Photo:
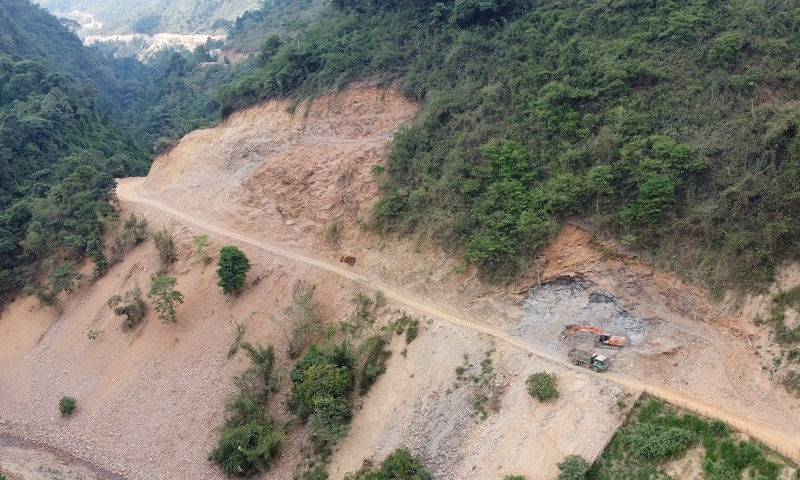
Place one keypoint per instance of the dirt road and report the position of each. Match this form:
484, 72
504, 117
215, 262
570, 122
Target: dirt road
128, 191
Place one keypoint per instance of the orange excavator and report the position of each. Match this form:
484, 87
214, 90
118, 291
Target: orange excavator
603, 339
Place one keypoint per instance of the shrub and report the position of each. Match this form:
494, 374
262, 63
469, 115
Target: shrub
67, 405
543, 386
375, 358
245, 450
658, 442
134, 232
329, 423
201, 244
165, 244
306, 316
399, 465
233, 267
250, 439
573, 467
132, 306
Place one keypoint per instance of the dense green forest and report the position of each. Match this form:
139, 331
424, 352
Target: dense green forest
59, 149
670, 125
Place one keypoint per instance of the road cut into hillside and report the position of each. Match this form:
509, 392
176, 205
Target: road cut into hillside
785, 442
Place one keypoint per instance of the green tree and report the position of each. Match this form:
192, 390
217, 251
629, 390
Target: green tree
233, 267
165, 297
543, 386
67, 405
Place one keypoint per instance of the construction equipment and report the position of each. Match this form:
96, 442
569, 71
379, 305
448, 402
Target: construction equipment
603, 339
596, 362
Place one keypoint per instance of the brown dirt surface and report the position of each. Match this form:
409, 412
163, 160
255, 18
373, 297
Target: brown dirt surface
274, 183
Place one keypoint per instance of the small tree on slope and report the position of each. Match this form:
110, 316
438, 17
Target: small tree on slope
233, 267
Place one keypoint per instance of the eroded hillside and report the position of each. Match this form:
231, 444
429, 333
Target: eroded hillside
292, 190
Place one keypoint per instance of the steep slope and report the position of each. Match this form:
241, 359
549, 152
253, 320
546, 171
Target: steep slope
274, 183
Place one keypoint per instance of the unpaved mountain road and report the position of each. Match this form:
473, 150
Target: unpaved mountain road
128, 191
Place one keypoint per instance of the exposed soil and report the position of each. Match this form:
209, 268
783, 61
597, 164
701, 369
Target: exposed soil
291, 190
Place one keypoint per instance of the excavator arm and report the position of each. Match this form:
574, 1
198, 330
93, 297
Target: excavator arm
603, 338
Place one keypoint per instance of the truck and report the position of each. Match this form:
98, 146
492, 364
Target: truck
602, 339
596, 362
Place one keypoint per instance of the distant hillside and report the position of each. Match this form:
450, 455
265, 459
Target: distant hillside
30, 32
151, 16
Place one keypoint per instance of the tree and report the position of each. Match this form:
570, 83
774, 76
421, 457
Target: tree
543, 386
233, 267
573, 467
165, 297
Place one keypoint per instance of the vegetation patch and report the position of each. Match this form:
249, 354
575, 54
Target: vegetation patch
542, 386
233, 267
656, 432
305, 314
131, 305
399, 465
250, 439
67, 406
478, 379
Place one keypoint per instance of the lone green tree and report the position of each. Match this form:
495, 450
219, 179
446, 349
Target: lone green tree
165, 297
233, 267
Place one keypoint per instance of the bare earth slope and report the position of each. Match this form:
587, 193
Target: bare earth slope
275, 184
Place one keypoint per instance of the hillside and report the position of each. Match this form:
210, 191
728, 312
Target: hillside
670, 126
108, 17
154, 395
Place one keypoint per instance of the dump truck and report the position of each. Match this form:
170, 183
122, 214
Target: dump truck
596, 362
603, 339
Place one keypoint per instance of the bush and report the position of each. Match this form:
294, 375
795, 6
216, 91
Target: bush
306, 316
165, 244
399, 465
375, 358
67, 405
543, 386
250, 439
329, 423
658, 442
573, 467
244, 450
233, 267
132, 306
201, 244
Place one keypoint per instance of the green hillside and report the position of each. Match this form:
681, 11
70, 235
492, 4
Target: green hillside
670, 125
59, 149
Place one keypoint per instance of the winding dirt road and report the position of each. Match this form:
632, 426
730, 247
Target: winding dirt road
128, 191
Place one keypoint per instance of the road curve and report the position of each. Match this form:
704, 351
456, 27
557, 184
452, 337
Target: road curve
128, 191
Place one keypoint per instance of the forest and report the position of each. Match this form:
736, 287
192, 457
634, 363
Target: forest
670, 126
